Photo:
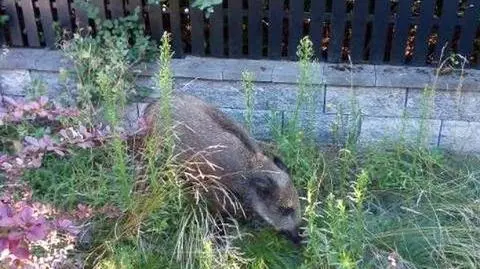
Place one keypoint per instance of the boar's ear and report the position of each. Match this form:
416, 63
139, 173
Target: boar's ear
280, 164
264, 185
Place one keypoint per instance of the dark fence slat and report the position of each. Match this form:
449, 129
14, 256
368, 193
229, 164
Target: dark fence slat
175, 27
116, 9
316, 24
275, 24
155, 19
198, 34
47, 22
100, 4
423, 31
337, 30
446, 26
401, 32
359, 26
469, 28
379, 34
235, 36
255, 9
217, 48
13, 23
64, 14
132, 4
30, 23
81, 17
295, 30
2, 37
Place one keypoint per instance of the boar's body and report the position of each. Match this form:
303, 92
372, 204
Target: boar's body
262, 185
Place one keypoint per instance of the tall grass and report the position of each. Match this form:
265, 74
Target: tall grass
406, 206
247, 82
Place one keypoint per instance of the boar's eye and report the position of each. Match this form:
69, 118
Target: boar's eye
264, 186
285, 210
278, 162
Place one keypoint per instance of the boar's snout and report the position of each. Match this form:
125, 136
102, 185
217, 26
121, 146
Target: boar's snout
293, 235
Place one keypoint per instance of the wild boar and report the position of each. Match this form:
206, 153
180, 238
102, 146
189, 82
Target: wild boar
262, 185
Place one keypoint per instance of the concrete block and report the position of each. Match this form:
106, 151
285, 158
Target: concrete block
284, 96
130, 118
454, 80
54, 85
447, 105
371, 101
461, 136
261, 122
288, 72
267, 96
345, 75
402, 77
218, 93
34, 59
375, 130
321, 124
262, 69
14, 82
189, 67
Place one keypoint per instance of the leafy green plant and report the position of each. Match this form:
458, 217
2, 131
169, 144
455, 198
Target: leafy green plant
247, 83
115, 42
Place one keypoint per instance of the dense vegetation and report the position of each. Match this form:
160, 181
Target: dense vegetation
391, 205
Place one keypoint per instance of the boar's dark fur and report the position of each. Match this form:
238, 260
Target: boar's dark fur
261, 184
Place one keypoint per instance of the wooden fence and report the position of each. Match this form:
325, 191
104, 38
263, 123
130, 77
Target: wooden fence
369, 31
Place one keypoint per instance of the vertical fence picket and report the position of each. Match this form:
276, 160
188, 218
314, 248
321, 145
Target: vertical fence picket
2, 37
13, 23
295, 30
218, 45
116, 9
275, 22
217, 48
379, 34
175, 27
317, 11
423, 31
155, 18
338, 30
255, 9
446, 26
198, 33
46, 19
81, 17
100, 4
359, 26
132, 5
469, 28
401, 32
235, 36
30, 23
64, 14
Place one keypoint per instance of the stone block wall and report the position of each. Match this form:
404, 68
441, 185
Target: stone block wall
391, 98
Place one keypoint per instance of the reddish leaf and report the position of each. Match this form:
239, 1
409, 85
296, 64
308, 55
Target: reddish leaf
85, 145
9, 101
37, 232
31, 140
25, 216
17, 114
66, 225
19, 251
15, 236
58, 152
3, 243
6, 214
43, 100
